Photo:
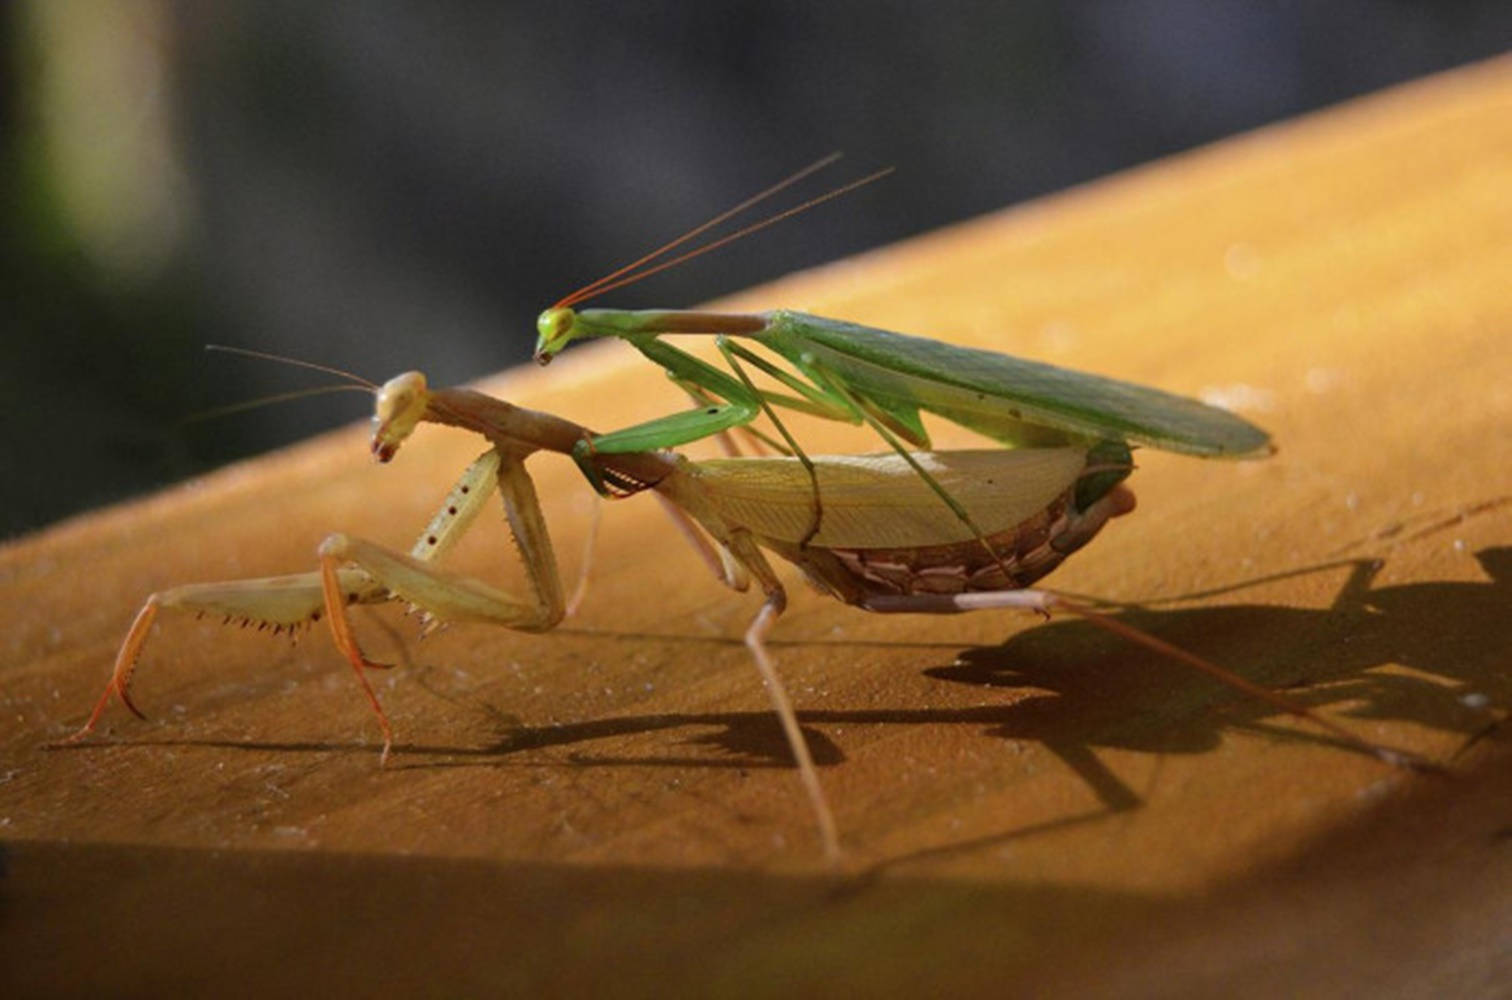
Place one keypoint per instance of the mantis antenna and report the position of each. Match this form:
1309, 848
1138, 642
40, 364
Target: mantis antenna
628, 275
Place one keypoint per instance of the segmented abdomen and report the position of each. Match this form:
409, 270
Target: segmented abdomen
1024, 553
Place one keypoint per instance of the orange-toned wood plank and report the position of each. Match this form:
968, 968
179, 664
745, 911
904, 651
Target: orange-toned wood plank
1342, 279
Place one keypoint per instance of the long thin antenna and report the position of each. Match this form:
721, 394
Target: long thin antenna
600, 288
282, 397
592, 287
296, 362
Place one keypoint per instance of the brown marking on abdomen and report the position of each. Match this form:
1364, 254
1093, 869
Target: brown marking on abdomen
1026, 553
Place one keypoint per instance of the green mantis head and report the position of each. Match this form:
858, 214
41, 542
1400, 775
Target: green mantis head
400, 406
556, 328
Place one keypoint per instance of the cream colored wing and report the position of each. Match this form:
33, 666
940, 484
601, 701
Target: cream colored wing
879, 502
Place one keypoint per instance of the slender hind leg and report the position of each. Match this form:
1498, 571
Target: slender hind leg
755, 640
585, 568
745, 552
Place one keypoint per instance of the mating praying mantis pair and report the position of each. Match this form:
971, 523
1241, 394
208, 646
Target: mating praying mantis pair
908, 530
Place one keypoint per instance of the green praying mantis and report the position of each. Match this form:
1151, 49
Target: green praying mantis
858, 374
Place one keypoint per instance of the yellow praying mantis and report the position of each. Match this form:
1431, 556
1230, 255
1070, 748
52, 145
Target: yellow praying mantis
883, 543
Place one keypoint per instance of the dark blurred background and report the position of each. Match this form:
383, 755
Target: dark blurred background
384, 186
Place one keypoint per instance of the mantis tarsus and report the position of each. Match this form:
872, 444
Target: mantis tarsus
883, 545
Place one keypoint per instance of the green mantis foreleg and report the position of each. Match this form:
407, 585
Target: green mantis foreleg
730, 402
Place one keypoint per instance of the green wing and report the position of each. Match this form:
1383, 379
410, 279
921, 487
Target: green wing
1008, 398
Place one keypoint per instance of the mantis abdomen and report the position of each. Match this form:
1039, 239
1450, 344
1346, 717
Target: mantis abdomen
882, 530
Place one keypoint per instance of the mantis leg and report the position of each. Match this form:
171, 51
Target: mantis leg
282, 603
741, 404
447, 597
731, 354
590, 542
1044, 601
817, 400
755, 639
290, 602
354, 571
887, 435
721, 563
760, 443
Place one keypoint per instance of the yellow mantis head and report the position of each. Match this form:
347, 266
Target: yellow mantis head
398, 407
555, 329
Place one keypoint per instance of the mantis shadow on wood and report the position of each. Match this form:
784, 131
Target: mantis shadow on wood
1101, 694
1092, 692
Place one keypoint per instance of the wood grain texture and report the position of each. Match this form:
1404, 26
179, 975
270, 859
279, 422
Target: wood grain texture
611, 806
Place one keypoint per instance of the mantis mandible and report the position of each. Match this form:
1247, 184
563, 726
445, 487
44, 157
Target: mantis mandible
882, 547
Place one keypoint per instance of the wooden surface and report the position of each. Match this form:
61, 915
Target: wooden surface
611, 806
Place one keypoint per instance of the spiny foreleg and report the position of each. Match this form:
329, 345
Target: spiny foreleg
448, 597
